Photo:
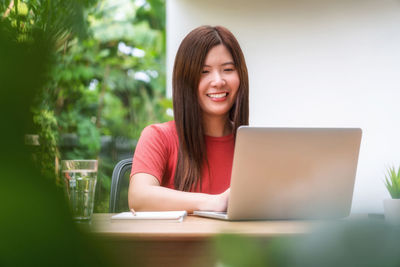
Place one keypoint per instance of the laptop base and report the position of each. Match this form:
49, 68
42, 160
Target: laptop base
211, 214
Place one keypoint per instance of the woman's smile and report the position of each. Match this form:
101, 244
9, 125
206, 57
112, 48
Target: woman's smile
218, 97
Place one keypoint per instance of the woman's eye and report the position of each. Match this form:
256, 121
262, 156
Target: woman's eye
204, 71
229, 69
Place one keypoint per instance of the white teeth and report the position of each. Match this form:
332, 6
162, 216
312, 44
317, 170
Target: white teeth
218, 95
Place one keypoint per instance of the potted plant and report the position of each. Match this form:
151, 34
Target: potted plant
392, 205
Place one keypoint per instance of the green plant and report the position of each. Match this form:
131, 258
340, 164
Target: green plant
105, 80
392, 182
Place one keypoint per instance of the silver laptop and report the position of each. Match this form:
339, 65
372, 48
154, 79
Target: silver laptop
292, 173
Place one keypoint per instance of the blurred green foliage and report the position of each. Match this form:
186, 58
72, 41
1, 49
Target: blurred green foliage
354, 242
36, 227
107, 80
235, 250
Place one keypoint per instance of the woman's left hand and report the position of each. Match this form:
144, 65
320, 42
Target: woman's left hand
216, 202
223, 200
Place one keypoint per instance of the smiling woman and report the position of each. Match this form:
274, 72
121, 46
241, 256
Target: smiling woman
186, 164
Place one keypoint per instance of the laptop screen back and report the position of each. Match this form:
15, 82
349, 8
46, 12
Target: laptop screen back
293, 173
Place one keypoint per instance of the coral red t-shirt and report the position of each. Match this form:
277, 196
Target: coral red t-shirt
157, 154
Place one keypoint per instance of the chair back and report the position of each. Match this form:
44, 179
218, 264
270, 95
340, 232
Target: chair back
119, 172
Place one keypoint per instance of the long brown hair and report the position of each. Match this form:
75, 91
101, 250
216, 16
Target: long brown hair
188, 65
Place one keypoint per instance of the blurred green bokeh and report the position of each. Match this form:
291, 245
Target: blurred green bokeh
36, 227
102, 82
366, 243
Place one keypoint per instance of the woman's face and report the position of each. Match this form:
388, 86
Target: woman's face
219, 83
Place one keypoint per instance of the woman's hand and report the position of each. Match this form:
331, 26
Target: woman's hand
216, 202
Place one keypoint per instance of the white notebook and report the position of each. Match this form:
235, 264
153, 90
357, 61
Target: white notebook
175, 216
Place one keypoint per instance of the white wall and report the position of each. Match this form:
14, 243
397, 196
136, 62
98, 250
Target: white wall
315, 63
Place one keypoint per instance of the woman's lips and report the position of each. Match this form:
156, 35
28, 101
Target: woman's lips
218, 96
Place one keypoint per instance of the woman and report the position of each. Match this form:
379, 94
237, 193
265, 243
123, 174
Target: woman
186, 164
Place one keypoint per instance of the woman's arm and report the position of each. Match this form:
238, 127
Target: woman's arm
145, 193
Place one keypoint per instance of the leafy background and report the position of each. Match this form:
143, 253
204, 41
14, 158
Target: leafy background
106, 83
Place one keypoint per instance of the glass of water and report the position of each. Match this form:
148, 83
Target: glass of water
80, 178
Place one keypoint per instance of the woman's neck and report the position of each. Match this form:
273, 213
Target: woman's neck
217, 126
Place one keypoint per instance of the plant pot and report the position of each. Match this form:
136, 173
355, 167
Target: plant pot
391, 208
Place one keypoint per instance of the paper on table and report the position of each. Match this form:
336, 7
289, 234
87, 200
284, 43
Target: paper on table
151, 215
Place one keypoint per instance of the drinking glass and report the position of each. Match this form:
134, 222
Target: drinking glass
80, 177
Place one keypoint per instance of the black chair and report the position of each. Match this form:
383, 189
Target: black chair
119, 172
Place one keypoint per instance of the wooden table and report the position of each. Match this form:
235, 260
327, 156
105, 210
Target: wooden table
188, 243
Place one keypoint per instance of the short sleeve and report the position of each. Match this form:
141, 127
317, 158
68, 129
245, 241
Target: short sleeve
151, 154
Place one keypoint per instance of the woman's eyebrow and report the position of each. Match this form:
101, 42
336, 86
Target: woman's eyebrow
223, 64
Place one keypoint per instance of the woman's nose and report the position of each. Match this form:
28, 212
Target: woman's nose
217, 80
